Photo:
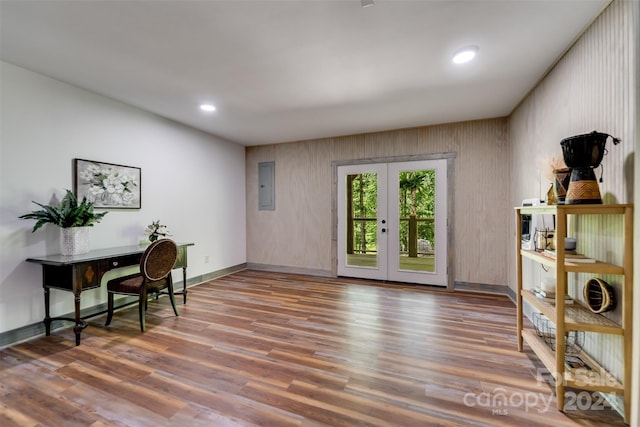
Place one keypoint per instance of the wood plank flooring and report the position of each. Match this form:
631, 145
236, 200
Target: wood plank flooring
270, 349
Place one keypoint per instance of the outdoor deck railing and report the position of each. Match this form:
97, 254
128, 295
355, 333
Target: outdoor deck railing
413, 234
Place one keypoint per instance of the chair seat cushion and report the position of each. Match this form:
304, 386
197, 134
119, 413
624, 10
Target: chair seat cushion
126, 285
131, 284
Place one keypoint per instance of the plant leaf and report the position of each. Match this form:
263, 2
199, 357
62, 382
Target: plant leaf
67, 214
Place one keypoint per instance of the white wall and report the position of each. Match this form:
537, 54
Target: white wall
191, 181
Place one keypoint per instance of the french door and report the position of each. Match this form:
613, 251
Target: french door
392, 221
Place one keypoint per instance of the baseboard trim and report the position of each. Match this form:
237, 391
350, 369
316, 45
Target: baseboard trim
483, 288
291, 270
28, 332
458, 286
192, 281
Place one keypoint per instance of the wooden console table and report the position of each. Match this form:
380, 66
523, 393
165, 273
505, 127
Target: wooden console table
75, 273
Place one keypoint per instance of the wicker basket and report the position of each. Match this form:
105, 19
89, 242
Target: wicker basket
599, 295
547, 331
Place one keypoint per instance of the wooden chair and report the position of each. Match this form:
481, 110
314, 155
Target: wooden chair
155, 275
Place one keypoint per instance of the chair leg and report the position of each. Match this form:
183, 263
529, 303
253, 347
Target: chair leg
109, 308
142, 307
171, 296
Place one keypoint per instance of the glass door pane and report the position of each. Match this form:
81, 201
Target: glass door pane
361, 217
416, 206
418, 222
362, 211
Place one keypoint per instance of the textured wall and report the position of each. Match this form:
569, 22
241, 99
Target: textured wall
298, 233
591, 88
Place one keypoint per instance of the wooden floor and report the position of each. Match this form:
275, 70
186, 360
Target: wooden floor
270, 349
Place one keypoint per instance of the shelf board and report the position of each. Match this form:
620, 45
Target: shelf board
575, 209
597, 267
542, 306
539, 209
540, 348
596, 379
577, 317
536, 256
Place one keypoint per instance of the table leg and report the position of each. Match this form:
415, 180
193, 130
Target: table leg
184, 285
47, 317
79, 323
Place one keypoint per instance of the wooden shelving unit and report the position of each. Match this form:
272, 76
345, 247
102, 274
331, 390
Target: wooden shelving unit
576, 317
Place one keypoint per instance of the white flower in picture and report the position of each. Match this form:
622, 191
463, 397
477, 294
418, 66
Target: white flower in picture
108, 185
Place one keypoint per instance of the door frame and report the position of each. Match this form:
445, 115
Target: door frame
450, 157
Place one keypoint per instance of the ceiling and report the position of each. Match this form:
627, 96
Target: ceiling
291, 70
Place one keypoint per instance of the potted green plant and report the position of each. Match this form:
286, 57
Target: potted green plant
73, 218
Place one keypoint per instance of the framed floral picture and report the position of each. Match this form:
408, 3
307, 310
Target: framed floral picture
108, 185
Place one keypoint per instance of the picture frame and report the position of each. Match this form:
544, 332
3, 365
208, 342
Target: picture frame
108, 185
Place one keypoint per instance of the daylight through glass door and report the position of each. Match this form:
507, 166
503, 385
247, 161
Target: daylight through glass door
392, 221
416, 207
362, 207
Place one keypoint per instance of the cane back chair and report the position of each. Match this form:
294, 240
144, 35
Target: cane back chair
155, 275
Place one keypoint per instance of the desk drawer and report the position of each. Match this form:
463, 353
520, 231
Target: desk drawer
122, 261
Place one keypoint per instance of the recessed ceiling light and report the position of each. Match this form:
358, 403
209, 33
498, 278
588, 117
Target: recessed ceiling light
465, 54
208, 107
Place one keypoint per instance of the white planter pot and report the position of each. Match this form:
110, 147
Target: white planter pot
74, 240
